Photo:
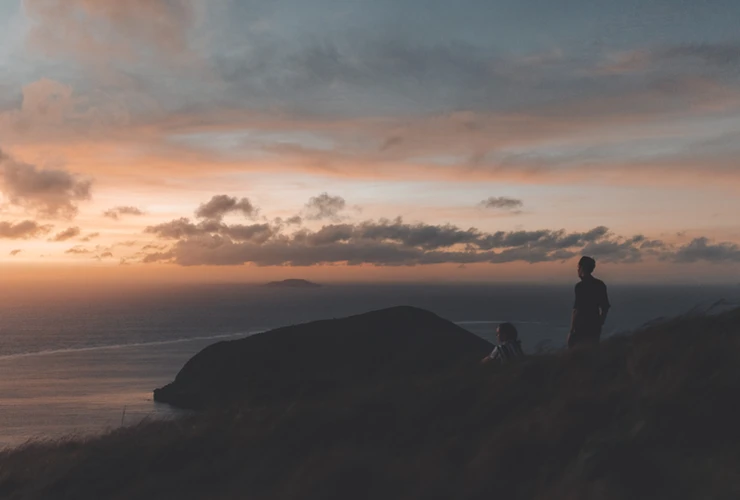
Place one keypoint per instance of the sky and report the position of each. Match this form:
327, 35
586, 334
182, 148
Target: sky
404, 140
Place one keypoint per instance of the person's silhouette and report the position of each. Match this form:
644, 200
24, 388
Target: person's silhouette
590, 308
509, 347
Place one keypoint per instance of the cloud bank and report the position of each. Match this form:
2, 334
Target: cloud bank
116, 212
394, 242
221, 205
504, 203
48, 192
67, 234
325, 206
23, 230
94, 29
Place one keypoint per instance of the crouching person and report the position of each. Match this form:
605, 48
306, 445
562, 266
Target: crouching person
509, 347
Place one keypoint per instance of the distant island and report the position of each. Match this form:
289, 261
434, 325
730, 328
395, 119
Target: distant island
292, 283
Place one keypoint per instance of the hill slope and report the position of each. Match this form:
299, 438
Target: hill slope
652, 415
321, 356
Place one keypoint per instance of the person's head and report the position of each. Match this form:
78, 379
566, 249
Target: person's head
586, 266
506, 332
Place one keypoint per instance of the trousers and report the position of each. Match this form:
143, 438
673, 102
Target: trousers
584, 335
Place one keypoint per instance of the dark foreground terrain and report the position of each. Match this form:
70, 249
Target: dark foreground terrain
651, 415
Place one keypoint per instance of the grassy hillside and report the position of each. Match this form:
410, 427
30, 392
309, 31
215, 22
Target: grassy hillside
653, 415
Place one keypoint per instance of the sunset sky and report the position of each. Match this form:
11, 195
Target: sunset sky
408, 140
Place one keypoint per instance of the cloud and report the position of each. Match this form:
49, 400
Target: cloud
13, 253
90, 237
295, 220
44, 102
674, 58
551, 123
702, 249
116, 212
220, 205
153, 247
106, 255
543, 239
23, 230
503, 203
421, 235
78, 250
395, 93
652, 244
66, 234
184, 228
109, 28
718, 54
387, 242
307, 251
325, 206
381, 75
181, 228
158, 257
256, 233
614, 251
50, 192
382, 242
60, 115
392, 77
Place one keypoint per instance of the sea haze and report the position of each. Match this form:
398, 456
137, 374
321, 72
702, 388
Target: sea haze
82, 362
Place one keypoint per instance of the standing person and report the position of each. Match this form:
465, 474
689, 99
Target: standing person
509, 347
591, 306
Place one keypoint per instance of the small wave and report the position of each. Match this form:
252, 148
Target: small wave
50, 352
491, 322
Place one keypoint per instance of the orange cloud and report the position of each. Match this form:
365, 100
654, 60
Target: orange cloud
109, 28
66, 234
23, 230
100, 135
116, 212
49, 192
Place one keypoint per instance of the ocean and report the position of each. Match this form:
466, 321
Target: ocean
84, 362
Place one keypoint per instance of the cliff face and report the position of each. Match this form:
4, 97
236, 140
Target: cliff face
316, 358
